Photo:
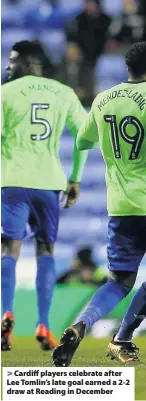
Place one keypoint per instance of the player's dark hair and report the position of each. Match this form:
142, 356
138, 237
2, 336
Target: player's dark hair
136, 59
35, 50
27, 48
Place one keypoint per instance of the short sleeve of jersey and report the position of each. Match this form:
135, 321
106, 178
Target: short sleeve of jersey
89, 130
76, 113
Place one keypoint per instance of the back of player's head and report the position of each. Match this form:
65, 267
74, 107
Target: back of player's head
26, 48
85, 254
136, 59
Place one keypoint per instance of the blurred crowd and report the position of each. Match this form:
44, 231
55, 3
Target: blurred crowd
89, 33
84, 269
92, 33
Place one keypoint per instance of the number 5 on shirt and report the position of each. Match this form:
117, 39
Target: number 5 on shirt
37, 120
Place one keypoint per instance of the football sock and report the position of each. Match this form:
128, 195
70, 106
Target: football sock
8, 282
45, 281
103, 302
134, 316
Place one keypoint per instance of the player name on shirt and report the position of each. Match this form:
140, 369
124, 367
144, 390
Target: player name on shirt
131, 94
38, 87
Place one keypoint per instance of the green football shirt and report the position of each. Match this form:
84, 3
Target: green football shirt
118, 121
34, 113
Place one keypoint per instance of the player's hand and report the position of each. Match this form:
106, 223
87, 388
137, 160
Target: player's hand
71, 194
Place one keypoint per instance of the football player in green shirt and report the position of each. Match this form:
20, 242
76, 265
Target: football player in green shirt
117, 121
34, 113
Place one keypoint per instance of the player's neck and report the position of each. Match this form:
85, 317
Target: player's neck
141, 78
35, 70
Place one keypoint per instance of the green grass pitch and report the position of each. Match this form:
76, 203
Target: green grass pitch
92, 352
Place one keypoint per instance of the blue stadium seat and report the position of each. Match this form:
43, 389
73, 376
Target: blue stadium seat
11, 15
110, 71
114, 7
69, 230
93, 172
54, 42
4, 63
9, 37
71, 5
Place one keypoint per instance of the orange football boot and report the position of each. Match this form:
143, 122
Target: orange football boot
7, 325
45, 338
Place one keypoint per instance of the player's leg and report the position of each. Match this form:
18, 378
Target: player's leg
122, 342
45, 208
14, 217
45, 282
10, 254
10, 251
118, 286
124, 259
134, 316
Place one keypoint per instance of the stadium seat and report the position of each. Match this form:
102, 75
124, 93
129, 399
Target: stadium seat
71, 5
54, 42
11, 15
110, 70
9, 37
114, 7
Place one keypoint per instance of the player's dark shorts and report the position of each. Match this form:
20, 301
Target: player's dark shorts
126, 242
38, 207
